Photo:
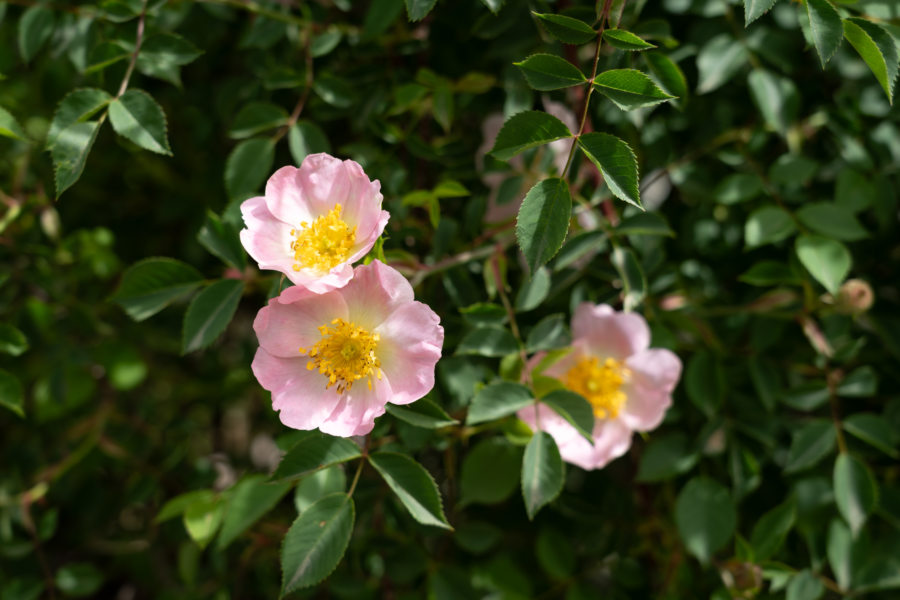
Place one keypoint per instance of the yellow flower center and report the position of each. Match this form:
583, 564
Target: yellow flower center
600, 382
324, 243
345, 354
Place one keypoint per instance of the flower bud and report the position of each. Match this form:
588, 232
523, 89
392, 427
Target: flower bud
855, 296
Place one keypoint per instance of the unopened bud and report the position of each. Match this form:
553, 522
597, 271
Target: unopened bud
855, 296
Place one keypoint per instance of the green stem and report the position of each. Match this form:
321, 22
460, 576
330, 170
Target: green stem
138, 40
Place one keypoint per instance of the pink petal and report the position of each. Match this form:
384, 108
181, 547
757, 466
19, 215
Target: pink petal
612, 439
320, 283
365, 242
267, 239
410, 346
298, 393
324, 181
283, 328
610, 334
377, 290
285, 197
362, 205
654, 373
657, 368
357, 409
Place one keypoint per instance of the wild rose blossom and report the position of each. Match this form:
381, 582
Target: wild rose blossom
314, 222
628, 384
332, 361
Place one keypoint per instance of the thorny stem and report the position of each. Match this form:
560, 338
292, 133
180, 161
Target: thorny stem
139, 38
604, 16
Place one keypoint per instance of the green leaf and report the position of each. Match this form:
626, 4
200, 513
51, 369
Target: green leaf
810, 444
547, 72
209, 314
70, 151
832, 220
771, 529
645, 223
162, 55
718, 61
705, 516
498, 400
251, 498
493, 5
78, 105
9, 127
222, 239
617, 162
668, 73
325, 42
35, 28
488, 341
666, 457
859, 383
526, 130
768, 225
855, 491
150, 285
315, 486
543, 473
776, 97
754, 9
877, 49
567, 29
413, 485
826, 27
12, 341
555, 553
257, 117
421, 413
179, 504
625, 40
417, 9
548, 334
306, 138
203, 518
827, 260
737, 188
573, 408
316, 542
79, 579
874, 430
442, 106
534, 291
490, 472
705, 382
805, 585
768, 273
135, 115
12, 396
313, 452
248, 165
634, 282
629, 89
840, 552
543, 220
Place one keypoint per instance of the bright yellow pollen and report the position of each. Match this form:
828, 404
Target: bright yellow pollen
600, 382
345, 354
324, 243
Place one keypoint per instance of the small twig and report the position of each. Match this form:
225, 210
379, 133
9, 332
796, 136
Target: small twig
139, 39
307, 88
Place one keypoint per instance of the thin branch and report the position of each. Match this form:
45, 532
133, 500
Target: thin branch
139, 39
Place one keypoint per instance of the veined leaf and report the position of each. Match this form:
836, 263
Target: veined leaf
826, 26
625, 40
573, 408
616, 161
78, 105
313, 452
543, 473
209, 314
498, 400
70, 151
877, 49
136, 116
827, 260
630, 89
668, 73
150, 285
543, 221
9, 127
35, 28
251, 498
316, 542
421, 413
526, 130
705, 516
566, 29
855, 490
754, 9
413, 485
547, 72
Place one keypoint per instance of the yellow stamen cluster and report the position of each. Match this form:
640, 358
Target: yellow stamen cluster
600, 382
345, 354
324, 243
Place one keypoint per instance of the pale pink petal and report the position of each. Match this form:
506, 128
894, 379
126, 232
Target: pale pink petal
410, 346
612, 439
654, 373
267, 239
321, 283
610, 334
324, 181
362, 204
297, 393
562, 366
364, 244
283, 328
285, 198
357, 409
377, 291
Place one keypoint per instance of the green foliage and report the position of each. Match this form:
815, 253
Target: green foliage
413, 485
316, 541
543, 473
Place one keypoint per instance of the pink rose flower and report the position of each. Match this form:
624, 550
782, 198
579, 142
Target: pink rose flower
334, 360
314, 222
628, 384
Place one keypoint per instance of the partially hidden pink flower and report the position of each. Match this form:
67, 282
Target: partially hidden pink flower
628, 384
314, 222
332, 361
